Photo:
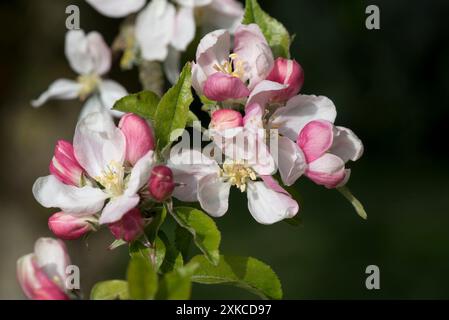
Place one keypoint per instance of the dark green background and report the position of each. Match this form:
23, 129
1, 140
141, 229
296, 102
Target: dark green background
390, 86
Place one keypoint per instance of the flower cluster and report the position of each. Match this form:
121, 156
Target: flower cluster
128, 174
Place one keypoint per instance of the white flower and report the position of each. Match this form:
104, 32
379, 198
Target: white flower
100, 148
90, 57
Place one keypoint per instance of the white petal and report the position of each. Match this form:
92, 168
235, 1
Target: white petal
110, 92
222, 14
188, 167
172, 65
193, 3
116, 8
268, 206
154, 29
99, 52
140, 173
92, 105
299, 111
118, 207
346, 144
184, 31
291, 161
213, 195
52, 257
98, 143
51, 193
77, 52
264, 91
60, 89
253, 51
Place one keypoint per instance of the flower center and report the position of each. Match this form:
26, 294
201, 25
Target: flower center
112, 179
232, 67
88, 82
237, 173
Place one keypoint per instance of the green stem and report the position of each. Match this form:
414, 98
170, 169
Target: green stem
354, 201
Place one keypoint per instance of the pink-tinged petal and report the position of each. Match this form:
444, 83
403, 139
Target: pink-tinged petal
161, 183
299, 111
329, 171
222, 87
226, 119
130, 227
253, 117
213, 195
35, 283
60, 89
291, 161
118, 207
71, 227
193, 3
315, 139
269, 206
253, 52
154, 29
110, 92
53, 259
98, 143
77, 52
184, 29
264, 92
188, 167
213, 50
52, 193
289, 73
222, 14
64, 165
139, 137
140, 173
116, 8
346, 145
99, 53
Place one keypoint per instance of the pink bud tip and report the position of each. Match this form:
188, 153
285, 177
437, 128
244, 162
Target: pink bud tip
288, 72
226, 119
222, 87
130, 227
161, 184
71, 227
64, 165
139, 137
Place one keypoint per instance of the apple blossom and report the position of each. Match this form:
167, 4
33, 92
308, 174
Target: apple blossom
100, 148
71, 227
161, 184
226, 119
90, 57
287, 72
220, 75
42, 274
129, 227
139, 137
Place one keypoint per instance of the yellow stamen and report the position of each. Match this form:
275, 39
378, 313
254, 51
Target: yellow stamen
238, 174
89, 83
232, 67
112, 178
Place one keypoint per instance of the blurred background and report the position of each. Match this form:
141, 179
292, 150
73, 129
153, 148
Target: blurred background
391, 86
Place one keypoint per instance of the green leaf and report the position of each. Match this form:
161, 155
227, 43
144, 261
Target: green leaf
110, 290
276, 34
156, 252
245, 272
177, 284
142, 279
203, 229
143, 104
173, 258
172, 112
354, 201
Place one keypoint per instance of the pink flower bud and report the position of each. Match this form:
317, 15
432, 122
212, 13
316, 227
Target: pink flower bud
222, 87
130, 227
71, 227
288, 72
226, 119
139, 137
64, 165
42, 274
161, 183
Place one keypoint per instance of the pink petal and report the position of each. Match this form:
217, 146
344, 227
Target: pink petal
315, 139
222, 87
329, 170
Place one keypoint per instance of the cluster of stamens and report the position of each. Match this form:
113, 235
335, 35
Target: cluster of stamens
232, 67
237, 173
88, 82
112, 178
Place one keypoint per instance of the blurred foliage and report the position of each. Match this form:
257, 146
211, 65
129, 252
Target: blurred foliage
390, 86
